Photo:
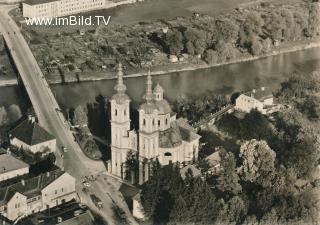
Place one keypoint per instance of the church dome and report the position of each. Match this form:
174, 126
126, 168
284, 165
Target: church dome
148, 107
120, 98
163, 107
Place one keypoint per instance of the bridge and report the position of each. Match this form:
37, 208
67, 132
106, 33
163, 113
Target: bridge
213, 117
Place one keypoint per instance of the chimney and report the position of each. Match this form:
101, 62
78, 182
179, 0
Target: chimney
23, 182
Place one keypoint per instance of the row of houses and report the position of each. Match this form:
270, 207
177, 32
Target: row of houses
21, 193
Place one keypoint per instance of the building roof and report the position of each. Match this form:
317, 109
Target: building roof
179, 131
30, 187
195, 171
120, 98
214, 159
31, 132
163, 106
260, 94
37, 2
9, 163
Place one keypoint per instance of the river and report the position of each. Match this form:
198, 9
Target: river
226, 79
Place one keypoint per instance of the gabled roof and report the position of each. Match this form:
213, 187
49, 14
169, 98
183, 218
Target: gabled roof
30, 187
31, 133
9, 163
214, 159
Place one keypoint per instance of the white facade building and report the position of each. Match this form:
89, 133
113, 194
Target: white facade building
161, 136
59, 8
11, 167
36, 194
259, 99
29, 136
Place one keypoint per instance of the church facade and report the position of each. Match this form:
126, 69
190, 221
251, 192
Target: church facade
161, 136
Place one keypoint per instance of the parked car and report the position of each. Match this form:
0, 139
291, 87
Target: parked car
97, 201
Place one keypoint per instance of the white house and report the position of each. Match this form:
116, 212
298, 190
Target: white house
259, 99
36, 194
160, 136
11, 167
29, 135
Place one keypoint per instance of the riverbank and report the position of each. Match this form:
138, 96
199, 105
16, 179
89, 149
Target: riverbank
180, 67
170, 68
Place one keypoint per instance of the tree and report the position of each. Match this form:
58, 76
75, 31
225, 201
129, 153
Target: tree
258, 162
80, 116
228, 179
14, 112
211, 56
4, 118
174, 41
310, 107
132, 165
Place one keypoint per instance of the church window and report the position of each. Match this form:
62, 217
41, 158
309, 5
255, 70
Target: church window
116, 112
125, 112
167, 154
159, 123
153, 122
144, 122
166, 121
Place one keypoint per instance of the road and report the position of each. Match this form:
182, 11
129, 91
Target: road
48, 112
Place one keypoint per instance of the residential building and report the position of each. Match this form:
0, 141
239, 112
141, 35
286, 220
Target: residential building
36, 194
59, 8
160, 136
259, 99
30, 136
11, 167
214, 162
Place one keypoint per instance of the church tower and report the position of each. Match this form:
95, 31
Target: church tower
148, 132
122, 139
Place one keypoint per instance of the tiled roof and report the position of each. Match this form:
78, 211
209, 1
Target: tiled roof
31, 187
260, 94
195, 171
9, 163
179, 131
31, 133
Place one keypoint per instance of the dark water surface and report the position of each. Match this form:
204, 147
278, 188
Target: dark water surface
269, 72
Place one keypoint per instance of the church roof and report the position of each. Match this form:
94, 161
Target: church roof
148, 107
120, 97
163, 106
31, 133
179, 131
158, 88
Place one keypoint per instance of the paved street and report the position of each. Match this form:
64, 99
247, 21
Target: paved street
50, 116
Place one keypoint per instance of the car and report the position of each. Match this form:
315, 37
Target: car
97, 201
86, 184
64, 149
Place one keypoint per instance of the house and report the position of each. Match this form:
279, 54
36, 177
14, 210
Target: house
214, 162
259, 99
59, 8
36, 194
29, 135
11, 167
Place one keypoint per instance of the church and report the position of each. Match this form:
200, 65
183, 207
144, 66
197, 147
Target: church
160, 135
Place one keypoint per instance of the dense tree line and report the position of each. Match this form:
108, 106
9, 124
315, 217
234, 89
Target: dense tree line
254, 30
